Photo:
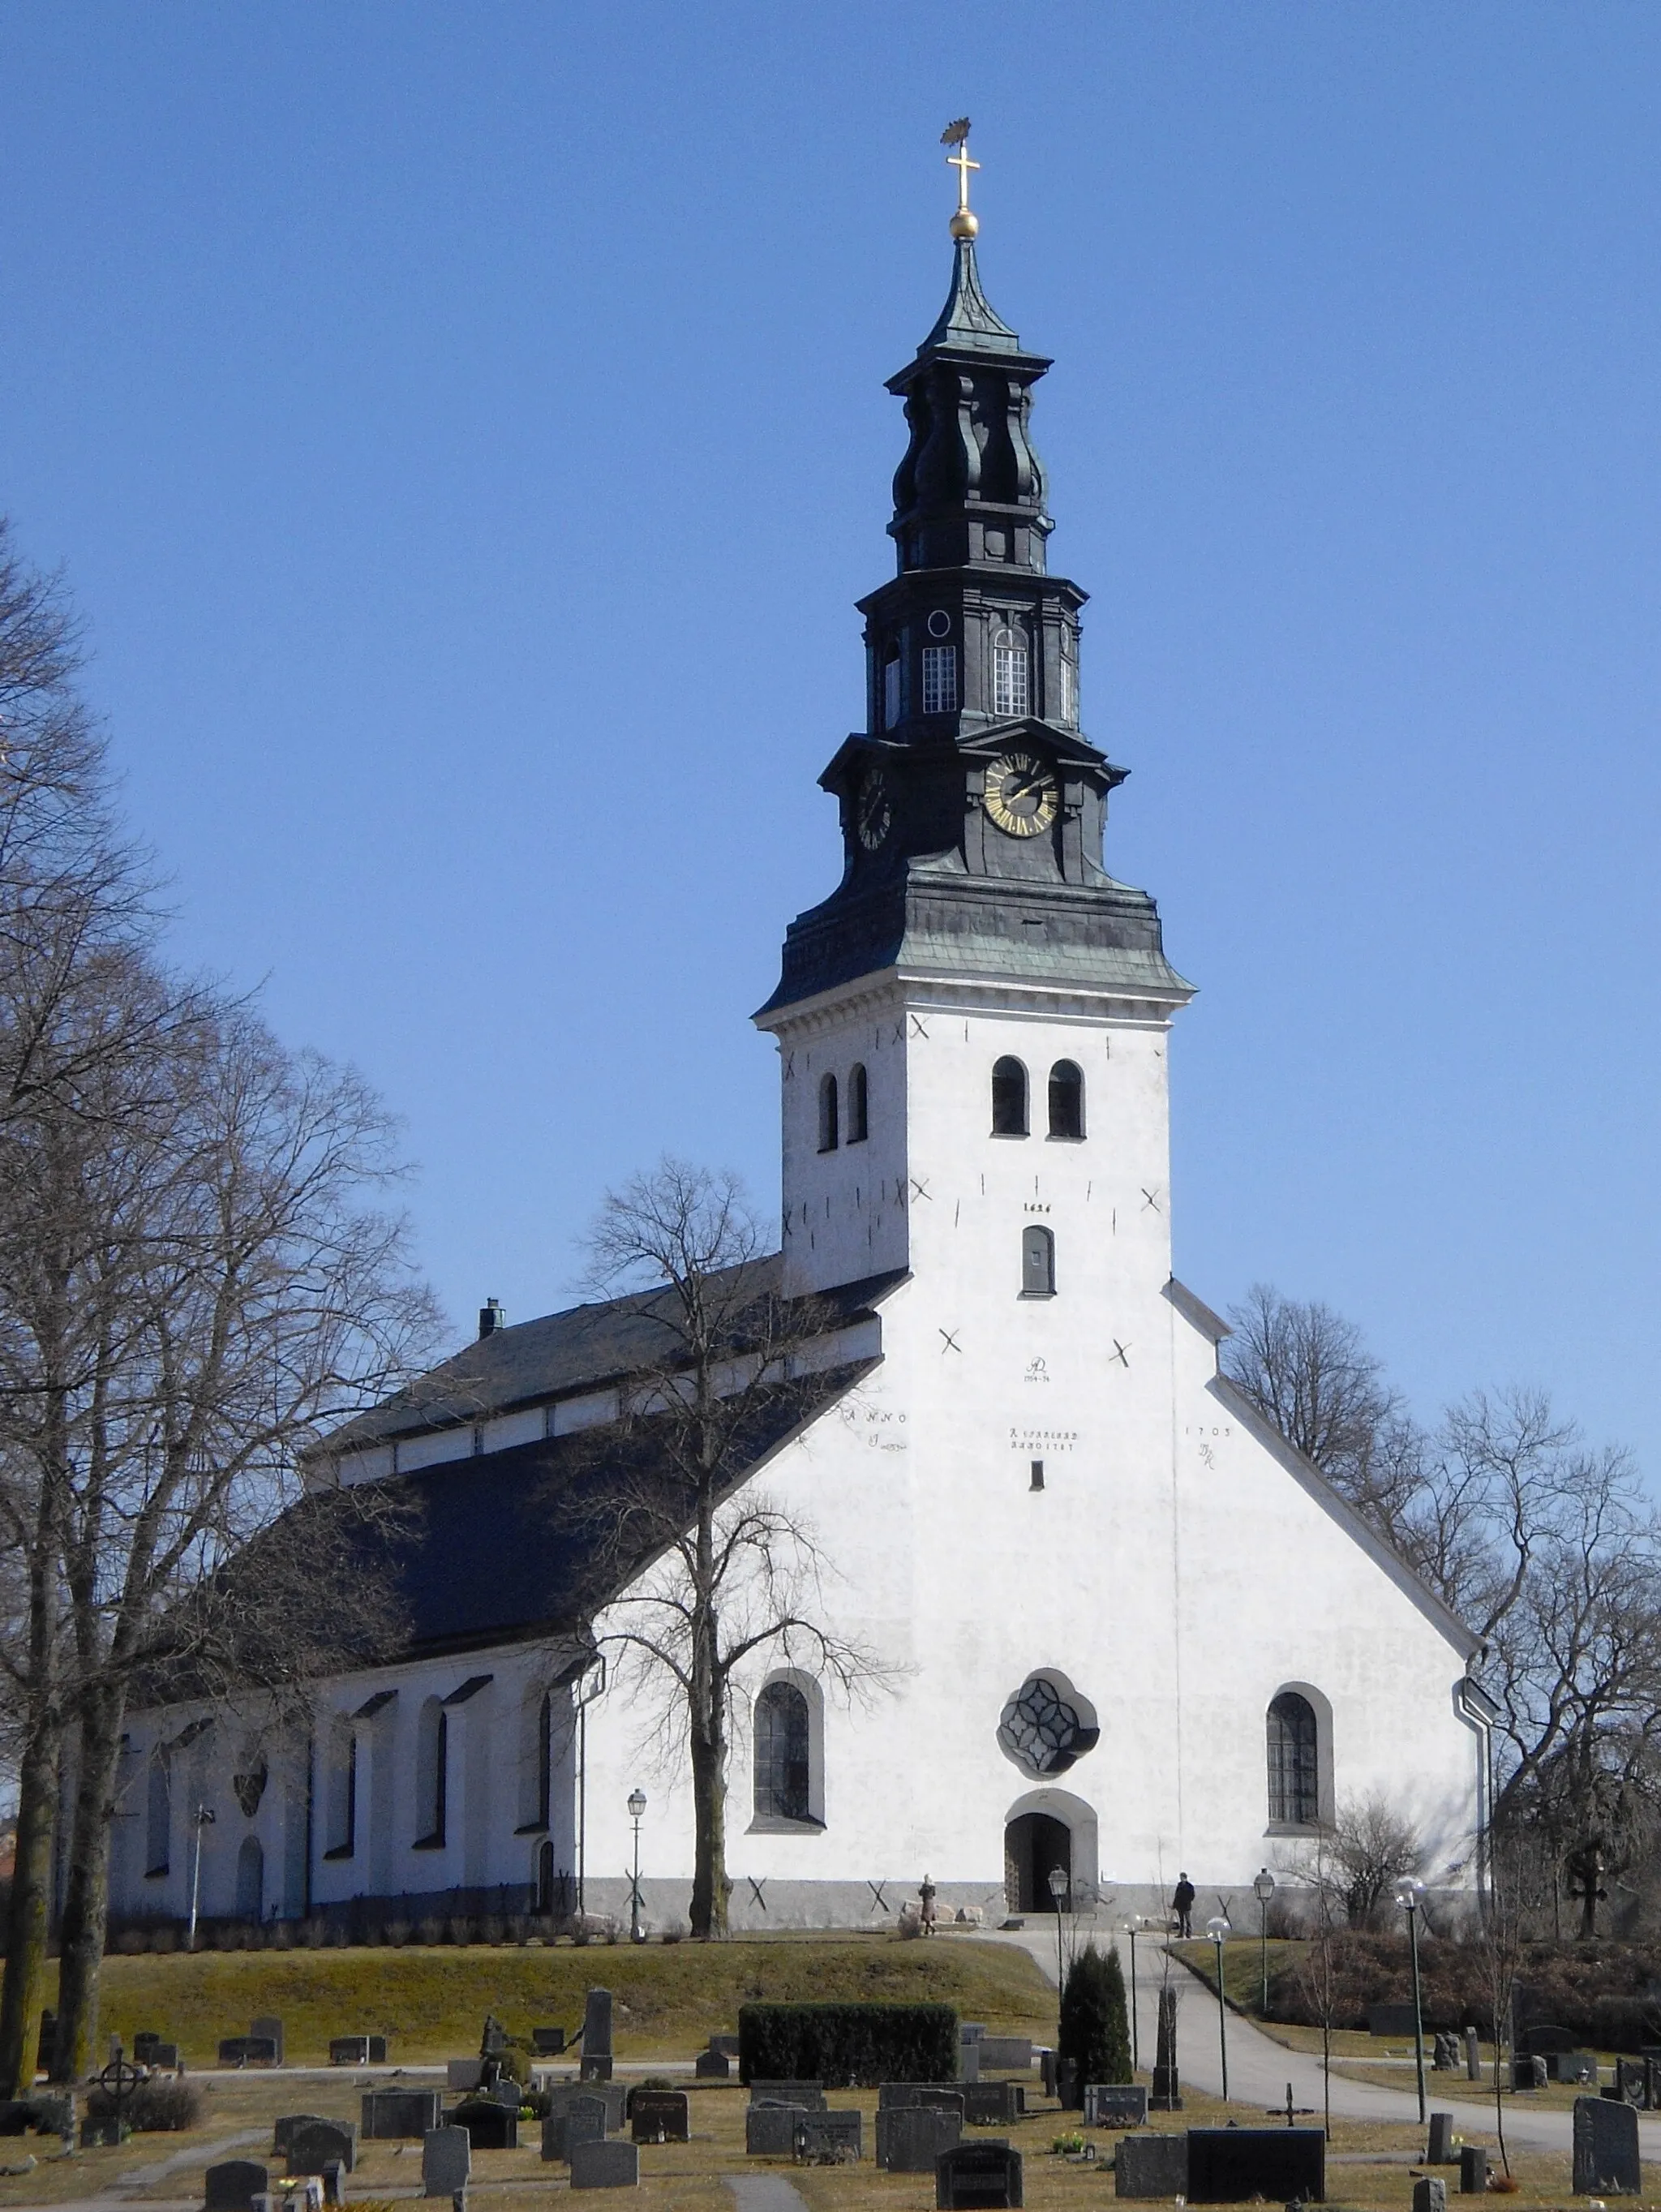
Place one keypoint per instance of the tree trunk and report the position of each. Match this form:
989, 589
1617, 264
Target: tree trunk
30, 1917
86, 1894
711, 1886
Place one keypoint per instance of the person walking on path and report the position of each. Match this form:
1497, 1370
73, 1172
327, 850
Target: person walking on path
1182, 1901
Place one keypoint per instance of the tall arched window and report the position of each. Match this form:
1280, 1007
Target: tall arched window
544, 1758
1009, 691
251, 1879
1038, 1263
432, 1779
1066, 1099
159, 1813
858, 1105
1295, 1798
783, 1738
341, 1790
1008, 1098
828, 1119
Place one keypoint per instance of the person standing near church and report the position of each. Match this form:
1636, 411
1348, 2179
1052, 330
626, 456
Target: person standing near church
1182, 1901
927, 1915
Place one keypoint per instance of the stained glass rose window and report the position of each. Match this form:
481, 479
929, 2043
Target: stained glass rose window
1046, 1726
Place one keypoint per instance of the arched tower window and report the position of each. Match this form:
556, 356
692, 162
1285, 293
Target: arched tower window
827, 1118
1066, 1099
159, 1813
858, 1105
1038, 1263
432, 1777
1008, 1098
783, 1741
1294, 1761
1009, 688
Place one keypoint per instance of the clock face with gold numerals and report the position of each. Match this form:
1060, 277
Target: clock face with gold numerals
1022, 796
871, 810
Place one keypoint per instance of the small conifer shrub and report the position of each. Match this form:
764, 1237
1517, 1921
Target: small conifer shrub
1096, 2023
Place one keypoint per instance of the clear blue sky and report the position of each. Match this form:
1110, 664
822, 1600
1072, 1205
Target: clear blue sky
463, 429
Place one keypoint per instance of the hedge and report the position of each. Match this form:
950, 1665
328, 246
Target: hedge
847, 2046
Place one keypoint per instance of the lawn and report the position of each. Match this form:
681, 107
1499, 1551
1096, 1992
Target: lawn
430, 2002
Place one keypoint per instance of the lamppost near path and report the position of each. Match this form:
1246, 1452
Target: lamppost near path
1130, 1927
636, 1807
1218, 1930
203, 1818
1408, 1892
1265, 1888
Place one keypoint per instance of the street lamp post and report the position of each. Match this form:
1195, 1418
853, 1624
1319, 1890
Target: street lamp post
203, 1818
1264, 1887
1058, 1891
1218, 1930
1408, 1892
1130, 1927
636, 1807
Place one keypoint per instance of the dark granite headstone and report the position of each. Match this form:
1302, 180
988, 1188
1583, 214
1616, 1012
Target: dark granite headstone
1430, 2194
657, 2116
1543, 2036
447, 2162
144, 2042
830, 2138
605, 2165
1151, 2165
1473, 2170
548, 2042
894, 2096
712, 2066
1606, 2156
490, 2126
357, 2051
996, 2104
233, 2186
612, 2095
595, 2065
1440, 2151
910, 2137
322, 2142
1115, 2105
1473, 2055
164, 2058
1005, 2054
1527, 2073
289, 2126
582, 2119
770, 2129
810, 2094
978, 2177
247, 2051
399, 2115
104, 2133
726, 2044
334, 2183
1225, 2165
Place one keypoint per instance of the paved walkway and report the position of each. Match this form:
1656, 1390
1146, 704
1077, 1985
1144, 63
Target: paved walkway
1259, 2068
764, 2192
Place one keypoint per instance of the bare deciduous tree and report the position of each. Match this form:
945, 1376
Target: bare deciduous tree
734, 1572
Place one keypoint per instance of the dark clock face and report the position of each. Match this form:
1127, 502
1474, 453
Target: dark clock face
1022, 796
872, 814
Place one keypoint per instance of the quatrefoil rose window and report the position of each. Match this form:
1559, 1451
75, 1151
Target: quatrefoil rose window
1046, 1727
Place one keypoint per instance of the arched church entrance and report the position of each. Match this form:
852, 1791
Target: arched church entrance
1034, 1844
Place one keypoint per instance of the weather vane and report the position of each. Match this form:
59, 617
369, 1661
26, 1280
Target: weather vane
964, 223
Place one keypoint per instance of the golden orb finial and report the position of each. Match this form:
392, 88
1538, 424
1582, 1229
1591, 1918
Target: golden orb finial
964, 224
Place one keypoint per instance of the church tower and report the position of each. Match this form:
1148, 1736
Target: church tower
977, 972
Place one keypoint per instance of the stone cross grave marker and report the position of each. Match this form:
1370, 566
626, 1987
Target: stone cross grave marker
605, 2165
1606, 2155
447, 2162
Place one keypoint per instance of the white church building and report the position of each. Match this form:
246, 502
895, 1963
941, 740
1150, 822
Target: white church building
1125, 1630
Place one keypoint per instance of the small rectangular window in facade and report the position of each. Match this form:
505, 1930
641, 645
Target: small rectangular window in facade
1008, 679
939, 679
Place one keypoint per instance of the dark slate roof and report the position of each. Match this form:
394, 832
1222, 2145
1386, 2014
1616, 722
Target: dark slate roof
585, 1348
513, 1544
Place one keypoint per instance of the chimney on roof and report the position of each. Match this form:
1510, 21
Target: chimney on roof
491, 1318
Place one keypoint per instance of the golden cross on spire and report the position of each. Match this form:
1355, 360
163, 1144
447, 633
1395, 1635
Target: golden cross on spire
964, 223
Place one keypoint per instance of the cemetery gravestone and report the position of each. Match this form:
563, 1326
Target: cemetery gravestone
712, 2066
1473, 2170
1442, 2151
1114, 2104
269, 2027
1151, 2165
726, 2044
891, 2096
164, 2058
810, 2094
283, 2134
399, 2115
968, 2059
1606, 2157
910, 2138
972, 2177
1430, 2195
357, 2051
1005, 2054
605, 2165
320, 2143
595, 2065
104, 2133
1473, 2055
1225, 2165
830, 2138
447, 2162
1527, 2073
998, 2103
770, 2129
334, 2183
548, 2042
657, 2116
233, 2186
144, 2042
583, 2120
1580, 2066
247, 2051
489, 2125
